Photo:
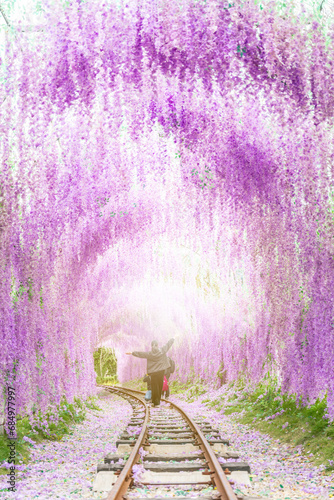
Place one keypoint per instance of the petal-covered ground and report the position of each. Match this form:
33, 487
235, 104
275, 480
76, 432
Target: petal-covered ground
66, 469
279, 471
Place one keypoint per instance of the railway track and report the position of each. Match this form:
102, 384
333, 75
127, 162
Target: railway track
168, 450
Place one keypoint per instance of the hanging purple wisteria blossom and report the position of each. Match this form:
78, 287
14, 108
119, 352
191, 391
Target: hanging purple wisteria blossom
167, 170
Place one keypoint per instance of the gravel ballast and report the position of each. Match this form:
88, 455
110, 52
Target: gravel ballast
279, 471
66, 469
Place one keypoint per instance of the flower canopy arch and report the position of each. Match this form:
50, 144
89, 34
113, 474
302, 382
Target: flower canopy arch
167, 170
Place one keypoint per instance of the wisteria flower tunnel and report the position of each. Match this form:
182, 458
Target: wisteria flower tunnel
167, 169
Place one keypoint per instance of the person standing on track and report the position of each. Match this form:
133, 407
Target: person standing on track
165, 388
157, 363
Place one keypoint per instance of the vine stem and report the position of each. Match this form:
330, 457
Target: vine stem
4, 15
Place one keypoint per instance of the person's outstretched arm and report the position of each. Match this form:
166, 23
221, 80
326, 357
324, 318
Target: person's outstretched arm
166, 347
139, 354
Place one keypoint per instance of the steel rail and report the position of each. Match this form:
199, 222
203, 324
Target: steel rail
125, 478
217, 474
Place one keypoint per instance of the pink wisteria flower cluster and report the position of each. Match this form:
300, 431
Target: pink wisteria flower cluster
107, 234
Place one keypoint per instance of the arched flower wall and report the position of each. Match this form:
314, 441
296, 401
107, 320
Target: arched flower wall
131, 132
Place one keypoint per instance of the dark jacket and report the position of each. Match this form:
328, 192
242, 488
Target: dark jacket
156, 359
168, 371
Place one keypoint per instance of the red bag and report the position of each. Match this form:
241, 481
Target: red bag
165, 384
